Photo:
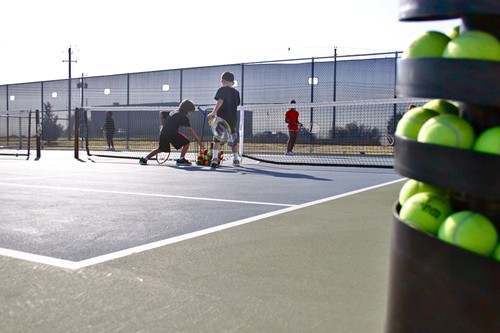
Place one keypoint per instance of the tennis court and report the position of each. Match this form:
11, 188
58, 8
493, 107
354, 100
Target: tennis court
107, 245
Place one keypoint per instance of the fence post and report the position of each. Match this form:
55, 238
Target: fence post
77, 133
38, 135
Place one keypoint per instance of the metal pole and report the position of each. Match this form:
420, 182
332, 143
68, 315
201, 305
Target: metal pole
394, 107
69, 93
69, 61
77, 132
82, 85
334, 120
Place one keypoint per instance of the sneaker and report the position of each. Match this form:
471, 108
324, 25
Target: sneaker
236, 163
182, 161
143, 161
213, 164
289, 153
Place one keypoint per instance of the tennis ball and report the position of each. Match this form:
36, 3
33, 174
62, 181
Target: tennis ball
430, 44
488, 141
425, 211
496, 253
454, 33
442, 106
469, 230
413, 186
447, 130
473, 44
409, 125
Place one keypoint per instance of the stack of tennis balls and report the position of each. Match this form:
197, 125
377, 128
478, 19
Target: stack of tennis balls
438, 122
427, 208
205, 157
471, 44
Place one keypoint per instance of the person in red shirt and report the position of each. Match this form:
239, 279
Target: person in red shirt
292, 121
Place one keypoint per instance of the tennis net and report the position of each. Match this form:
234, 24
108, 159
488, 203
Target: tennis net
17, 129
348, 133
137, 130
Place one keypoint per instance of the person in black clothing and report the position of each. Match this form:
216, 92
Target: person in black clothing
170, 134
108, 130
228, 99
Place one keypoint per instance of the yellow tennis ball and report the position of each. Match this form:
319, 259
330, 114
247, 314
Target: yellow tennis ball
425, 211
496, 253
442, 106
447, 130
473, 44
454, 33
488, 141
412, 121
471, 231
413, 186
429, 44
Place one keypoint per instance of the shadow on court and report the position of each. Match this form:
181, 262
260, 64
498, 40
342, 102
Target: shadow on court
243, 170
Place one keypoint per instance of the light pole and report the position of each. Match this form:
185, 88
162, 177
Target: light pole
82, 85
69, 61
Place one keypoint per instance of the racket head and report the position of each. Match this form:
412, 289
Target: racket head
162, 157
220, 129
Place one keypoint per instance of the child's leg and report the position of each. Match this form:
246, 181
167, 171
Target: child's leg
153, 153
215, 151
184, 149
235, 151
293, 138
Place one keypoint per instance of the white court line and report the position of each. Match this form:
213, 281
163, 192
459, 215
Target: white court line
73, 265
147, 194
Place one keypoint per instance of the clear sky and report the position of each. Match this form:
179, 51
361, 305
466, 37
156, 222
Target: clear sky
125, 36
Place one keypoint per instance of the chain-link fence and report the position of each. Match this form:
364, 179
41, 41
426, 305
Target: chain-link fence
326, 79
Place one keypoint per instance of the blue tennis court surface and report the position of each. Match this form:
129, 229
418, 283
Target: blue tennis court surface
72, 214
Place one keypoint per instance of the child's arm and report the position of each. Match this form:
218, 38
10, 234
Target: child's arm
195, 137
216, 109
160, 116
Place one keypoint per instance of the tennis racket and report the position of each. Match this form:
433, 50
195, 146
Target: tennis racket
219, 127
162, 157
312, 128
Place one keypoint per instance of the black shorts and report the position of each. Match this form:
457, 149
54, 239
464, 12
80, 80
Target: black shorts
164, 145
177, 140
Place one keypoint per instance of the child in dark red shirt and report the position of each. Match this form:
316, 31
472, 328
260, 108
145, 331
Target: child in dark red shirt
292, 121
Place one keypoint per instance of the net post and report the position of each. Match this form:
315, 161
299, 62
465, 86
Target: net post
29, 135
20, 129
241, 130
77, 133
38, 135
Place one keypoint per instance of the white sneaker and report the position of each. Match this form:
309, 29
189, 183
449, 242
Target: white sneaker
213, 164
236, 163
289, 153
